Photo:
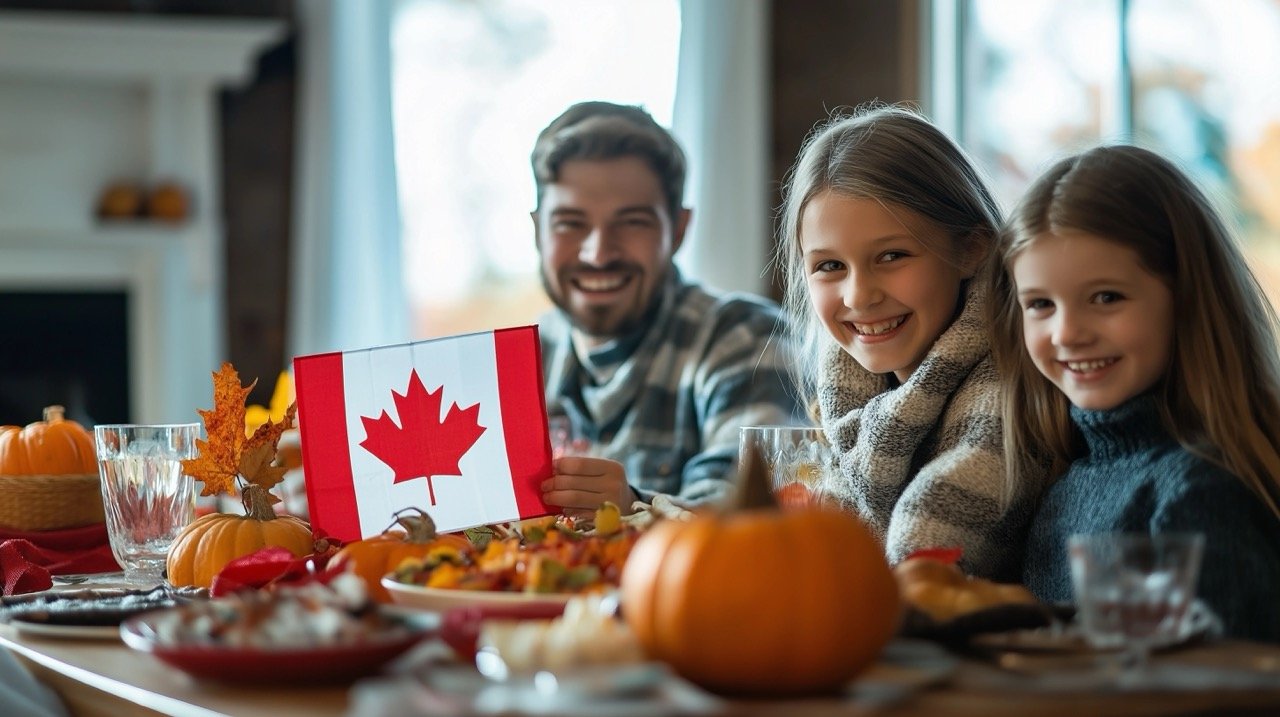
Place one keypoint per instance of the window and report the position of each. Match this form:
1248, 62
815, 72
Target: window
473, 83
1191, 79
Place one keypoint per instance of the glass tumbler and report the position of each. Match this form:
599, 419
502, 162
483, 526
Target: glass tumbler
798, 458
1134, 591
146, 497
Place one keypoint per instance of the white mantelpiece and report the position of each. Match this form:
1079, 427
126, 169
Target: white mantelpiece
86, 99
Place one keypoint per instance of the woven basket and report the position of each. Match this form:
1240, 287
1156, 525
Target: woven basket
44, 502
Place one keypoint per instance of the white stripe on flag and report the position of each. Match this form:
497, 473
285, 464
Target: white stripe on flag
466, 367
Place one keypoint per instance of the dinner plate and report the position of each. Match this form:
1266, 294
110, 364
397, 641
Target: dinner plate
93, 613
249, 665
995, 619
1201, 624
444, 599
69, 632
583, 681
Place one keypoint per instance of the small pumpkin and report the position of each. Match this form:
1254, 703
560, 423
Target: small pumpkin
54, 446
226, 460
762, 601
204, 547
374, 557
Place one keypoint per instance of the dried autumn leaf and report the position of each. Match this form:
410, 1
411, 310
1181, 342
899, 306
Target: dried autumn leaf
422, 446
218, 459
268, 434
258, 462
256, 467
206, 469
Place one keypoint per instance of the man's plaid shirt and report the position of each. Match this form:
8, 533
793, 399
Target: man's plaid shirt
674, 396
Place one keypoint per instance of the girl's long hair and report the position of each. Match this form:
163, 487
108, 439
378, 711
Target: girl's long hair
1220, 396
895, 156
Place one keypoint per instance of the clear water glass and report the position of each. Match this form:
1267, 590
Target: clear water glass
1134, 591
146, 497
794, 454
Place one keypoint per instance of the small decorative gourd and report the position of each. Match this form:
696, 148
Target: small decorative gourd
762, 601
205, 547
374, 557
227, 461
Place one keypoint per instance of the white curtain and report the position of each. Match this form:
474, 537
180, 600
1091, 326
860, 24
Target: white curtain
722, 118
347, 290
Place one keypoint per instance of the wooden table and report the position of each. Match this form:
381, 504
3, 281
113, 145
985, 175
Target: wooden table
108, 678
100, 677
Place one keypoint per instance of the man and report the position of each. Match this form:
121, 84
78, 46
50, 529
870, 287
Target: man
656, 373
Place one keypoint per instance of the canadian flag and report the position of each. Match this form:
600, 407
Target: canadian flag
456, 426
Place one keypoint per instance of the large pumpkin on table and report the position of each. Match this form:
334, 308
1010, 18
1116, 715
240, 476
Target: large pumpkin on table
54, 446
762, 601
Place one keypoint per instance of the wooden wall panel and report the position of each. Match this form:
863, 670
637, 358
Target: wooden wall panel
832, 54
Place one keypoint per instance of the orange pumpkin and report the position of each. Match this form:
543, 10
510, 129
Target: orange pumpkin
374, 557
205, 547
762, 601
54, 446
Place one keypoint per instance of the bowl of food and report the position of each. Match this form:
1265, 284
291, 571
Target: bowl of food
545, 563
310, 634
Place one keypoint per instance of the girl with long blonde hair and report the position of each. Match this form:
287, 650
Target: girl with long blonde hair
884, 226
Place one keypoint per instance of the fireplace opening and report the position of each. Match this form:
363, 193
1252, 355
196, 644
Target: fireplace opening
64, 348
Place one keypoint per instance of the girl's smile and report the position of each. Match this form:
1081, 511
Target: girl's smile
879, 330
1089, 367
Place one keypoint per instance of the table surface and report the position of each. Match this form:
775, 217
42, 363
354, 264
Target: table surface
105, 677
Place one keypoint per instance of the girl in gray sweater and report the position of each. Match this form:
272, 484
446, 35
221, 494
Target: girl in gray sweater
885, 224
1140, 358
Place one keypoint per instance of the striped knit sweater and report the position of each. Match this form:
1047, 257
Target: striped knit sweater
923, 463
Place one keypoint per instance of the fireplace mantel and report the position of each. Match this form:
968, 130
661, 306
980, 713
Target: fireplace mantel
88, 99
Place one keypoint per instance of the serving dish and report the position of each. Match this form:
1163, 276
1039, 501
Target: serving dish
294, 665
444, 599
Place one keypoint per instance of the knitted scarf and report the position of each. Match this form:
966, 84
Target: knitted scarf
922, 463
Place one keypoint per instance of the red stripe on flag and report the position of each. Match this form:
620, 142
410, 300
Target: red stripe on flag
326, 463
524, 415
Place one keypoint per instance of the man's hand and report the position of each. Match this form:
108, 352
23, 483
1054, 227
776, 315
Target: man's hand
579, 485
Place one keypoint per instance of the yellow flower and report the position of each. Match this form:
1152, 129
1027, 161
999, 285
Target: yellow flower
256, 415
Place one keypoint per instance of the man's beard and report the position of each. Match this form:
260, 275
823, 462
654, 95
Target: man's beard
603, 322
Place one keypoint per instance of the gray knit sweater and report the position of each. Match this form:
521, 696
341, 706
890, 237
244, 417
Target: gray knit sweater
1136, 477
923, 463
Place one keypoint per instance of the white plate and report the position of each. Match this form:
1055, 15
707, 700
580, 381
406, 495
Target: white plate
443, 599
586, 681
73, 632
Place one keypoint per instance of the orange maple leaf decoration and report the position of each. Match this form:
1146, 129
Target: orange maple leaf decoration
227, 456
422, 446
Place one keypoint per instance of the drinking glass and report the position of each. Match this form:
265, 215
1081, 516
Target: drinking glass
794, 455
565, 439
146, 497
1134, 591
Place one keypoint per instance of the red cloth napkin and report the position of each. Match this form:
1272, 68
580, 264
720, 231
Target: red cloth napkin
29, 560
270, 567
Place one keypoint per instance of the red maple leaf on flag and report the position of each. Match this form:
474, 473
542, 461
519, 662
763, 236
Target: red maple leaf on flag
422, 446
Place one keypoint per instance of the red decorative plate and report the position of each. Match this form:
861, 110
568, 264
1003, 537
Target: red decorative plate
342, 663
